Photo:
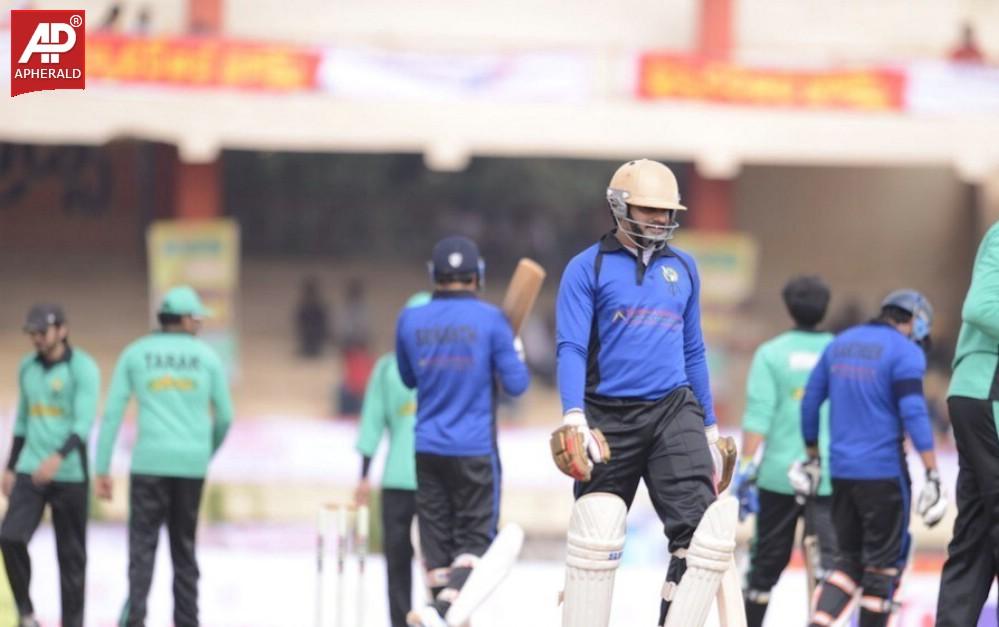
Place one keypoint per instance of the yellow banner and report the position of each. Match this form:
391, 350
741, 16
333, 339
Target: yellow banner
205, 255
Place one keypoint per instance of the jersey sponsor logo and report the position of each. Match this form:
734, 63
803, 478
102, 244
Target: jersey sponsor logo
851, 371
802, 360
176, 384
161, 361
450, 334
447, 362
42, 410
857, 350
648, 317
408, 409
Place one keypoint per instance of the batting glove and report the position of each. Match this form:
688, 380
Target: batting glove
932, 501
805, 477
744, 488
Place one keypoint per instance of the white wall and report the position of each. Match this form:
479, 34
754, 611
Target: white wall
832, 31
469, 23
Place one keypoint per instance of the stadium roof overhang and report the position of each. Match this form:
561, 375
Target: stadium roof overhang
719, 138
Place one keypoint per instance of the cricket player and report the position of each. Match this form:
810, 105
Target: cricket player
774, 388
973, 554
872, 375
59, 387
453, 351
634, 387
390, 406
184, 413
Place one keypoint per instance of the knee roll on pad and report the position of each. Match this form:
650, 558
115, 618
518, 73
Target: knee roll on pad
709, 556
596, 539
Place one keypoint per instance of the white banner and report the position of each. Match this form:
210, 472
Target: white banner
942, 87
368, 73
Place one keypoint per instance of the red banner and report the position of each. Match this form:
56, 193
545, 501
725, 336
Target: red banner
663, 76
195, 62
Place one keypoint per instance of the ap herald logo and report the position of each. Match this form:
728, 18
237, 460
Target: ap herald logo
47, 51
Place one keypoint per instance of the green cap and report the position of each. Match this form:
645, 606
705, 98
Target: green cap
183, 301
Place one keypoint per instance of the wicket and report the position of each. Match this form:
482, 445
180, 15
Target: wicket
351, 535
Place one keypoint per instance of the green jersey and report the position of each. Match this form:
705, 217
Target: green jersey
177, 380
389, 404
55, 412
774, 390
977, 354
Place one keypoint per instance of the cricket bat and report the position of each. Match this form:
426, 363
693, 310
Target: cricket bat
525, 285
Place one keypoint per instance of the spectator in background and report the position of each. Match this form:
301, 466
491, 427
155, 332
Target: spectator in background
312, 329
144, 20
851, 314
967, 50
355, 339
356, 319
539, 346
112, 19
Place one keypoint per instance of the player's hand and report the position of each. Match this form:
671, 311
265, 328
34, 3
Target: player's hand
47, 469
804, 477
9, 477
362, 493
576, 447
103, 487
932, 501
744, 488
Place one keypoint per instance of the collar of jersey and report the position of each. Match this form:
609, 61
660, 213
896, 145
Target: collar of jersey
66, 356
453, 294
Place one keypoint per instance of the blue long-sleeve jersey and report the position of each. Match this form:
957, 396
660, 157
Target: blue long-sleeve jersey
873, 378
626, 330
451, 350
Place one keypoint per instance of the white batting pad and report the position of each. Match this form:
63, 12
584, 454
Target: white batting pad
709, 556
490, 570
731, 606
596, 538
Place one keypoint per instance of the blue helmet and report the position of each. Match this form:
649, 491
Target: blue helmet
916, 304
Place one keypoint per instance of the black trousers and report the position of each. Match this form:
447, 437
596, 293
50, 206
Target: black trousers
973, 554
398, 511
457, 502
871, 517
663, 443
153, 501
773, 543
68, 502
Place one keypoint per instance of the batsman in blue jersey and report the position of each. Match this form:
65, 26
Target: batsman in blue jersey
453, 351
634, 385
872, 375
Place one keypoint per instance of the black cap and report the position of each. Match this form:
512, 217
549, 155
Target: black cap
453, 256
41, 317
806, 298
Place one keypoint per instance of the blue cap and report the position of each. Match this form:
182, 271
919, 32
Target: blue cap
455, 255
